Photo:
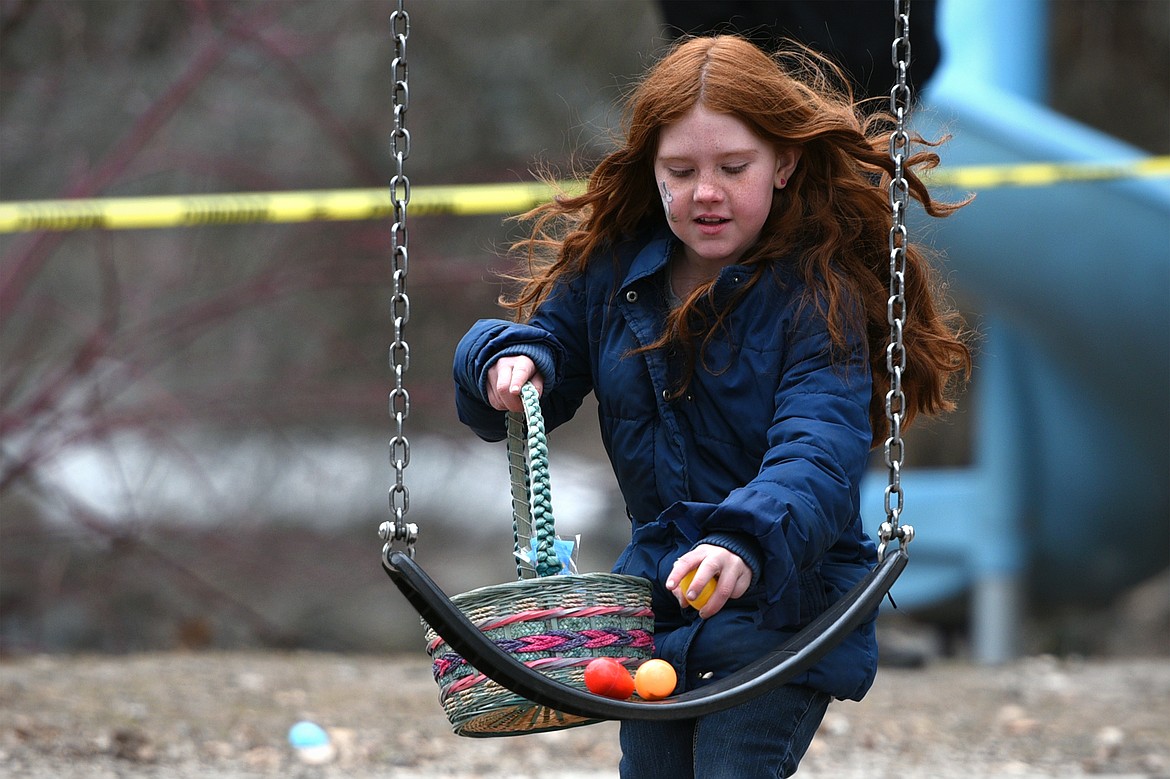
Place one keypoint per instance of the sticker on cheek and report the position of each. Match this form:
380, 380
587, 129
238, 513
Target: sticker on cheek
667, 199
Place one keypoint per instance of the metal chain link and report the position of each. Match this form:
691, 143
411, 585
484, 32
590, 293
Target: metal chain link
397, 529
899, 192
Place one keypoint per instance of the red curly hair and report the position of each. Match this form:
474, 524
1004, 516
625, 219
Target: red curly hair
835, 208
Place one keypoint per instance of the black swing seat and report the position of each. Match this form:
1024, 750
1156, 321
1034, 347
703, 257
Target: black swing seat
774, 669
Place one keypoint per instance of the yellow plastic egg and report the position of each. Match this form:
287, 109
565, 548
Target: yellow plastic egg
701, 600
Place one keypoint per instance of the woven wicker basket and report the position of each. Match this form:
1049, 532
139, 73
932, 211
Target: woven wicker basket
552, 622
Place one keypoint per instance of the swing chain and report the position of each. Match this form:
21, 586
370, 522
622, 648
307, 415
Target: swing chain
899, 196
397, 529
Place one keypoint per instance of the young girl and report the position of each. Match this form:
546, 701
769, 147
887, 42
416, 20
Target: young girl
721, 287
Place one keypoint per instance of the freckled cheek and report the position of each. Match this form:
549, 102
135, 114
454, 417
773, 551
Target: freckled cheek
756, 199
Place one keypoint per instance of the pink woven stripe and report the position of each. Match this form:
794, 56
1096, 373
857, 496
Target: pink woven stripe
541, 614
580, 611
563, 642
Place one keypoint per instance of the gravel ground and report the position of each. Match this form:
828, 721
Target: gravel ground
227, 715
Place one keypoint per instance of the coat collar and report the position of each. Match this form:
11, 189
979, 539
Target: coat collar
654, 255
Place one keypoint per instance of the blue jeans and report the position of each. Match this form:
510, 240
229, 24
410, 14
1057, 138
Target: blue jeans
764, 737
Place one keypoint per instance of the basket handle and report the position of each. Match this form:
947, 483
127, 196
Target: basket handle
532, 516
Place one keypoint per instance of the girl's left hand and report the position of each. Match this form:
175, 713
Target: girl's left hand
709, 561
505, 378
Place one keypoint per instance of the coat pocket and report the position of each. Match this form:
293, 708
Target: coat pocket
816, 594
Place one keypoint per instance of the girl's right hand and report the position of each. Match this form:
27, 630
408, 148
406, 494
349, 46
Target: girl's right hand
505, 378
732, 575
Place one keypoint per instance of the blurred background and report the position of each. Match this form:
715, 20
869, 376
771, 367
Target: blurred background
193, 421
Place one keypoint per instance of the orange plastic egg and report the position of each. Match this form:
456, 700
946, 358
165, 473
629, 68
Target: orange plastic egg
607, 676
655, 679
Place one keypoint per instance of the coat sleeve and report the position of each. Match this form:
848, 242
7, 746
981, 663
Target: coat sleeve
555, 341
806, 494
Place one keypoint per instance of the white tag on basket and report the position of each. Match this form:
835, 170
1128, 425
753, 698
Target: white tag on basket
565, 550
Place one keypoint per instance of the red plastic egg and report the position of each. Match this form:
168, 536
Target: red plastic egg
606, 676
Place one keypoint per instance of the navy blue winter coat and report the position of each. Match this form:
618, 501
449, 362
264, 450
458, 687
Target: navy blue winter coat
763, 454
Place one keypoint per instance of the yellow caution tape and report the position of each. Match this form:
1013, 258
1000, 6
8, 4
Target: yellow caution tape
327, 205
463, 199
1043, 174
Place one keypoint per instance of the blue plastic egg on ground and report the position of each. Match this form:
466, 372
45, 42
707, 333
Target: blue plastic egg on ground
307, 734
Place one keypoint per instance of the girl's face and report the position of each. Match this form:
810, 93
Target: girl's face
716, 177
